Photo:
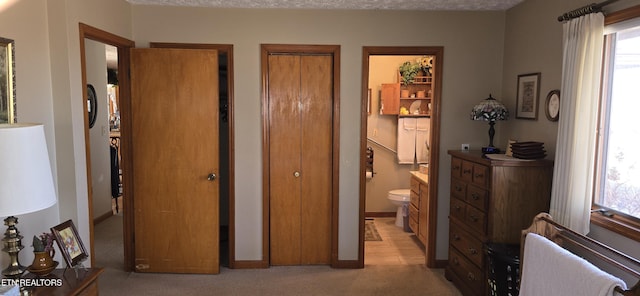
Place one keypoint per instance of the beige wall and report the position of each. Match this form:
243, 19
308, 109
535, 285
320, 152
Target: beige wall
483, 53
25, 23
468, 75
49, 91
533, 43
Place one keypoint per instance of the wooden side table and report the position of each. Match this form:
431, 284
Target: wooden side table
85, 284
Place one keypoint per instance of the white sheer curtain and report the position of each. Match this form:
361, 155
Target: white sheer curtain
575, 152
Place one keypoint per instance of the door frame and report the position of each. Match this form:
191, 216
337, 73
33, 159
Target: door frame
438, 52
124, 94
228, 50
265, 51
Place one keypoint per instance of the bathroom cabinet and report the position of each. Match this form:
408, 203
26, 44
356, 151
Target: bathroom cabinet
490, 201
415, 97
419, 206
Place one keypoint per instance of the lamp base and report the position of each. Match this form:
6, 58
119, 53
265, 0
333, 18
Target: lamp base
490, 150
12, 245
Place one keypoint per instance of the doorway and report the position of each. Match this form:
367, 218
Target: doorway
226, 178
88, 35
300, 99
226, 144
436, 53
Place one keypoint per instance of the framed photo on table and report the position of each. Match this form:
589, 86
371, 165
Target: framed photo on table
528, 96
70, 244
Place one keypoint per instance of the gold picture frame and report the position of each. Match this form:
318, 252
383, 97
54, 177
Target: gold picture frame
69, 242
7, 81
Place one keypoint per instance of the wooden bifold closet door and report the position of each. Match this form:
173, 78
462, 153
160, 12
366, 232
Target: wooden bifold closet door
300, 90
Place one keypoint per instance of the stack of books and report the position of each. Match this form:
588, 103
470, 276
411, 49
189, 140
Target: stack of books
528, 150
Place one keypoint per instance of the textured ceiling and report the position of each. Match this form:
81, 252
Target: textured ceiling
343, 4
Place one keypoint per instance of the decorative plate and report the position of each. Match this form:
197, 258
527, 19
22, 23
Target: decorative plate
552, 106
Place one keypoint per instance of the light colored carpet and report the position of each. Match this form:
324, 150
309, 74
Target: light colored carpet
277, 281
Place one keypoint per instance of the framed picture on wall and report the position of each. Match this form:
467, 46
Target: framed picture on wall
528, 96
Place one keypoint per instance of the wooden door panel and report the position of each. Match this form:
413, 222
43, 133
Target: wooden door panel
284, 147
175, 146
316, 102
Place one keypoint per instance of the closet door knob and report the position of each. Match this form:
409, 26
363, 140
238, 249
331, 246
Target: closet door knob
296, 174
211, 177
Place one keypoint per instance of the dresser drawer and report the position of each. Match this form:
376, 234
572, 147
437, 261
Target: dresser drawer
415, 199
413, 212
467, 245
415, 185
476, 219
470, 274
467, 171
458, 188
457, 209
456, 167
424, 193
480, 175
477, 197
413, 224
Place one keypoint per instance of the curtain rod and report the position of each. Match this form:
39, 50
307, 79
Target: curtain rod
591, 8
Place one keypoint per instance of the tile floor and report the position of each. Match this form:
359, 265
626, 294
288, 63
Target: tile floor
396, 248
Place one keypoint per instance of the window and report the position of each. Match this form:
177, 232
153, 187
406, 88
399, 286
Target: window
617, 186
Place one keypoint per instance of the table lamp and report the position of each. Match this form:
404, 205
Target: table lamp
26, 183
490, 110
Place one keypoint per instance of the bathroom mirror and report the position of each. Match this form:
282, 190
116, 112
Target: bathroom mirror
7, 81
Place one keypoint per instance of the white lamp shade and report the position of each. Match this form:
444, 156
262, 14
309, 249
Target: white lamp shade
26, 182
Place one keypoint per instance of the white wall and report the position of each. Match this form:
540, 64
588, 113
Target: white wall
472, 69
96, 65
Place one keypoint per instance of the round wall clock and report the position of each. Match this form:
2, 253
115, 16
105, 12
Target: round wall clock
92, 105
552, 105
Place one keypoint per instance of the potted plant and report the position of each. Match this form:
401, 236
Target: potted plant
408, 71
44, 252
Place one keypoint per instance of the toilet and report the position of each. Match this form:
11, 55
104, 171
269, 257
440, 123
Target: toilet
400, 198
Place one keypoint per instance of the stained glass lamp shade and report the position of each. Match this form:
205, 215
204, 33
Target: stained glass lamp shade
490, 110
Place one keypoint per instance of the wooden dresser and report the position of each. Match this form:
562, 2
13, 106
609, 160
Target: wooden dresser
491, 201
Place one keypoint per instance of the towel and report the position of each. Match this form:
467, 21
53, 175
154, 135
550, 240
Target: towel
548, 269
406, 140
423, 126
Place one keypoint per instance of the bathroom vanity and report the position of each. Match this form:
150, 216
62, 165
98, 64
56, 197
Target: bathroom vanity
491, 201
419, 206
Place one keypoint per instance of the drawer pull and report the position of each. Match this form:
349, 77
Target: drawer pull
455, 261
457, 207
456, 237
479, 175
458, 188
475, 196
466, 171
473, 251
471, 276
456, 167
473, 218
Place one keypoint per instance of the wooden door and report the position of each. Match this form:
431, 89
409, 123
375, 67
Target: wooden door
174, 102
300, 143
